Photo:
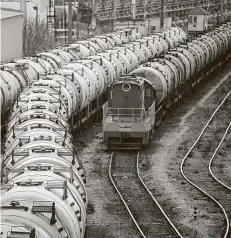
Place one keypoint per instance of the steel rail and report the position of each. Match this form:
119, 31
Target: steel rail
150, 194
122, 199
186, 156
153, 198
213, 156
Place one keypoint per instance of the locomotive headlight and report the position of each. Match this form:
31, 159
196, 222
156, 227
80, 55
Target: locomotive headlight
115, 118
126, 87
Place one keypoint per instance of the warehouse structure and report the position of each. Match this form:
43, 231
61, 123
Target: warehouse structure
198, 20
107, 10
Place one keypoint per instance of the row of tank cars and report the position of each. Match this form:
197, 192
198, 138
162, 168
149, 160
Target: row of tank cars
43, 192
138, 102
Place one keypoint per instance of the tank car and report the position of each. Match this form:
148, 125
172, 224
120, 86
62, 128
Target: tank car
43, 190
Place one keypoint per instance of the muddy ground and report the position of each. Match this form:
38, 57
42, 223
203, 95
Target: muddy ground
160, 168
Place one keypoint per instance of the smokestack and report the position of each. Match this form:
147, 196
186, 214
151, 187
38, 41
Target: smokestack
133, 9
114, 13
162, 4
222, 11
23, 6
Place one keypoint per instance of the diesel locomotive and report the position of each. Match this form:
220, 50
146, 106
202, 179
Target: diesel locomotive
138, 102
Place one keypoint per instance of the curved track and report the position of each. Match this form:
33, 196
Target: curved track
214, 155
147, 215
202, 154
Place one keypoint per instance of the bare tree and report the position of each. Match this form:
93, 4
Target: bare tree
36, 41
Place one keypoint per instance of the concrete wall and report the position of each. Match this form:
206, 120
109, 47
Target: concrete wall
11, 37
200, 25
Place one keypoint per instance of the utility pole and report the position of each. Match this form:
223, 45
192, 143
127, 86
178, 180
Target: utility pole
145, 9
78, 18
36, 20
23, 6
114, 13
69, 21
65, 21
93, 20
222, 11
134, 9
88, 18
162, 3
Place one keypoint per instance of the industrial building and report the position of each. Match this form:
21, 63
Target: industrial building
198, 20
11, 40
109, 10
32, 8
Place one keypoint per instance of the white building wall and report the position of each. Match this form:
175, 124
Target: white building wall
42, 9
200, 25
11, 37
31, 13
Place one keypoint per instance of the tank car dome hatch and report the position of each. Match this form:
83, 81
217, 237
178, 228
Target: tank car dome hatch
211, 45
66, 57
99, 72
74, 52
88, 75
53, 59
25, 69
137, 51
199, 53
102, 44
178, 64
84, 50
133, 60
42, 195
116, 37
108, 67
162, 42
125, 63
118, 66
32, 224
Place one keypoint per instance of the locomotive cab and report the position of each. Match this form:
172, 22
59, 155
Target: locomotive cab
127, 115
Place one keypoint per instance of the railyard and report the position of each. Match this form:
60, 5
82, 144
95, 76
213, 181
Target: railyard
158, 88
160, 169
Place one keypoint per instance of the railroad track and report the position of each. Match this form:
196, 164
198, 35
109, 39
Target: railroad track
196, 166
145, 212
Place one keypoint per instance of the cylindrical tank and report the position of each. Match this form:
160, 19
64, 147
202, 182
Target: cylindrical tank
88, 75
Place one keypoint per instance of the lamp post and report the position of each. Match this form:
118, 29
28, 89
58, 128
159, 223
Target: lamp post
36, 19
35, 7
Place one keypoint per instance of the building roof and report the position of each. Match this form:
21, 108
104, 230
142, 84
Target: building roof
198, 11
6, 13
